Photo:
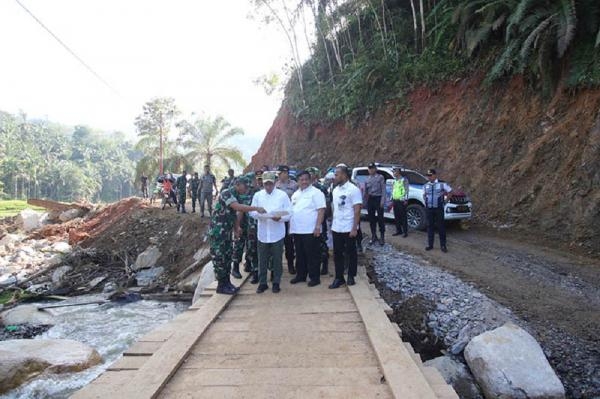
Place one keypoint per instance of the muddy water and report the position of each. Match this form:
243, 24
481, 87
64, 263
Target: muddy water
110, 328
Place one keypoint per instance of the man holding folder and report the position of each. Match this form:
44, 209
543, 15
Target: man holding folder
271, 230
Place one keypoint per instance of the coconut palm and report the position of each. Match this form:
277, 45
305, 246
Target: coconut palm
207, 141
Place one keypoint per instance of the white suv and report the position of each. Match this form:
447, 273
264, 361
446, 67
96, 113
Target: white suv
458, 207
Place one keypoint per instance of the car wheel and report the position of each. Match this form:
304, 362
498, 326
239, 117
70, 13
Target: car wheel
416, 218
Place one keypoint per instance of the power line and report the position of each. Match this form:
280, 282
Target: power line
81, 61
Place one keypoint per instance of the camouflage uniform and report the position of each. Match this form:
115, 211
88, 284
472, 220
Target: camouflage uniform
241, 242
181, 192
220, 233
252, 240
194, 185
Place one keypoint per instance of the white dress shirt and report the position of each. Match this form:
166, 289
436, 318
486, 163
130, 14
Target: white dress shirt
305, 210
269, 230
345, 197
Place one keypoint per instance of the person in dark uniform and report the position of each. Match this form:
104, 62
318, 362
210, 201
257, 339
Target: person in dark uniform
194, 186
181, 185
223, 223
375, 193
228, 181
289, 186
400, 200
434, 192
315, 173
207, 182
144, 180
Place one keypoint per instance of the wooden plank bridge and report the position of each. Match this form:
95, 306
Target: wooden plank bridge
300, 343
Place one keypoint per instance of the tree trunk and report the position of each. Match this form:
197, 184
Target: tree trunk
423, 29
415, 24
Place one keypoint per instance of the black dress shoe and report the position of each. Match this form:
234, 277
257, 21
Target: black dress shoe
262, 288
254, 278
428, 248
276, 288
444, 249
297, 280
313, 283
351, 280
336, 284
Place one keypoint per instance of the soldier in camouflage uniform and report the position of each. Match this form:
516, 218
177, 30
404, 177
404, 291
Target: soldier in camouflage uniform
315, 173
194, 185
224, 220
181, 185
252, 240
242, 240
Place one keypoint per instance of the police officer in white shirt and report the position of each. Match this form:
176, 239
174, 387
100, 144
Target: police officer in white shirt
346, 205
308, 211
434, 192
271, 230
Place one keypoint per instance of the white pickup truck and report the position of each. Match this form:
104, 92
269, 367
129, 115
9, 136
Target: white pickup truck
458, 207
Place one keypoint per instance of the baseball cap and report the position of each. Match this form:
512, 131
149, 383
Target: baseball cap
283, 168
431, 172
269, 177
372, 165
313, 171
243, 180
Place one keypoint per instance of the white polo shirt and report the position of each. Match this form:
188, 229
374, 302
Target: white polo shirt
345, 197
270, 231
305, 210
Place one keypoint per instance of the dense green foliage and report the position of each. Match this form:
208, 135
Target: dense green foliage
46, 160
366, 52
13, 207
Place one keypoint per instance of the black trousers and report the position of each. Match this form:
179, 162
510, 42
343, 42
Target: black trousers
288, 243
375, 211
344, 248
307, 256
435, 218
400, 217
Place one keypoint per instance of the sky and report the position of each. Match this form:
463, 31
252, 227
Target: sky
203, 53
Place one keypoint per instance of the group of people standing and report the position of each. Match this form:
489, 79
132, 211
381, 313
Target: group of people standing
271, 214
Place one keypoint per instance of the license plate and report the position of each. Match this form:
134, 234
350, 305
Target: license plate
462, 209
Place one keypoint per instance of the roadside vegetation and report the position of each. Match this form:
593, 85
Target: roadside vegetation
13, 207
366, 52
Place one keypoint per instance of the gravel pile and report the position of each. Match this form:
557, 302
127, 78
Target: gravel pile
456, 312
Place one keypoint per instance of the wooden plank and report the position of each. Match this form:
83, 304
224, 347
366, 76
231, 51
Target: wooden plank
439, 385
380, 391
156, 336
404, 377
289, 326
329, 346
274, 360
128, 363
301, 336
337, 307
143, 349
108, 385
244, 315
191, 379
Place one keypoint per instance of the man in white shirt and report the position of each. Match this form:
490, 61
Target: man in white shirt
308, 211
346, 205
271, 230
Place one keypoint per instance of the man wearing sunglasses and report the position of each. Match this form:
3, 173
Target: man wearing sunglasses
346, 205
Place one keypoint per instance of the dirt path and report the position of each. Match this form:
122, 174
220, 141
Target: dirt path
555, 292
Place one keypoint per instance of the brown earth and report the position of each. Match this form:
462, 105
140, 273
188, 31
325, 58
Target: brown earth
530, 165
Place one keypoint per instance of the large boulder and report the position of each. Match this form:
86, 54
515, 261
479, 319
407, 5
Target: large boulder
147, 259
29, 219
24, 359
59, 275
509, 363
148, 277
26, 314
70, 214
456, 374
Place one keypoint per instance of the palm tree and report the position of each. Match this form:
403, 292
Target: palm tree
207, 140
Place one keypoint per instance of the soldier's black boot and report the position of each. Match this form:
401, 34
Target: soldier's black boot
225, 287
247, 267
324, 270
254, 278
235, 270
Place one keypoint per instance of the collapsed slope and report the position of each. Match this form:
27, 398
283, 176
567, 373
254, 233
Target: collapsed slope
529, 164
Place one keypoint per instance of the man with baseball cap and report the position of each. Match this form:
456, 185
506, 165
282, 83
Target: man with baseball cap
434, 193
271, 230
289, 186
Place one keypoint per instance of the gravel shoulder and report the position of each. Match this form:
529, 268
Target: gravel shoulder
556, 294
